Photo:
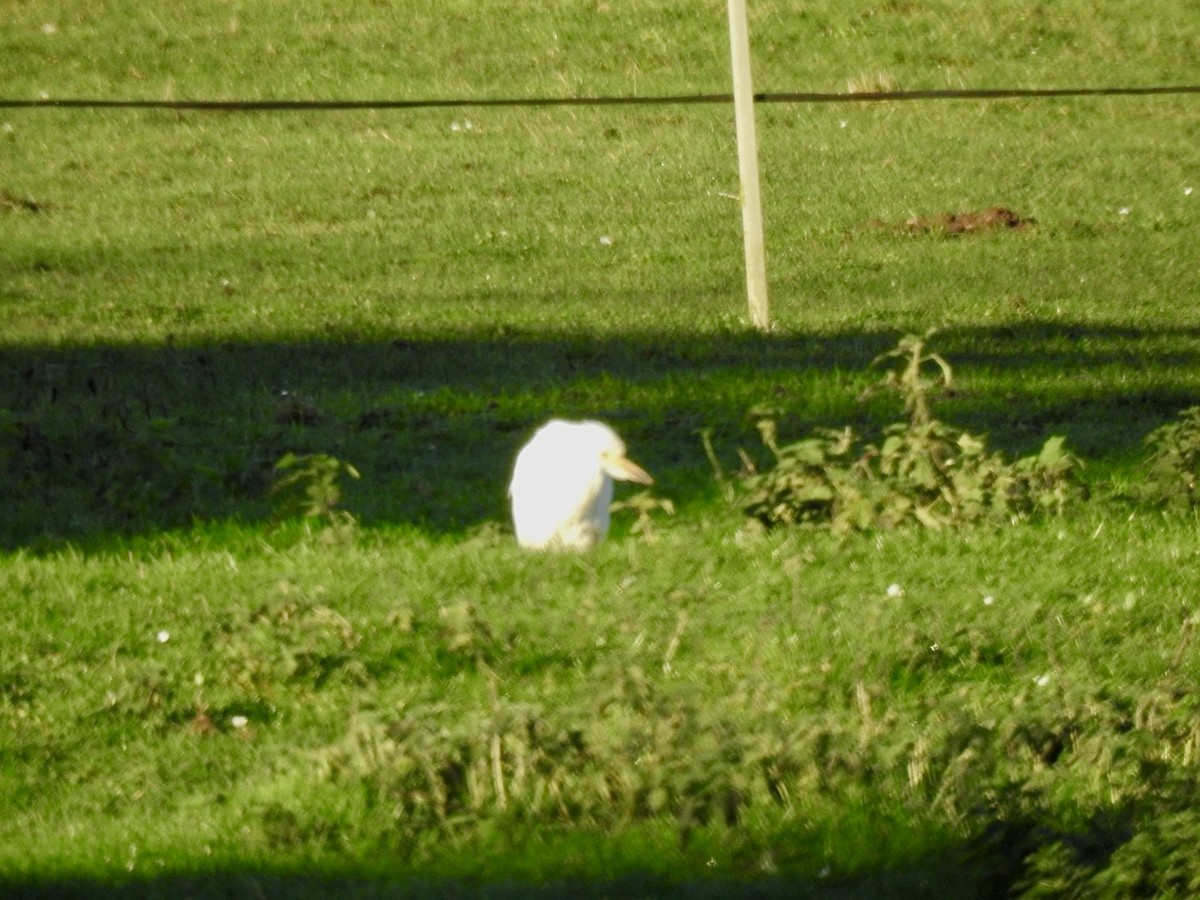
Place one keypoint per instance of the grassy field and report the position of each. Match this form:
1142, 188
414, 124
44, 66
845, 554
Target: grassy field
199, 698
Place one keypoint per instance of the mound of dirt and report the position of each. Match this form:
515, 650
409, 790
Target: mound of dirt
994, 218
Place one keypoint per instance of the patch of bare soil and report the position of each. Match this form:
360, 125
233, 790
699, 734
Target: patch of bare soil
994, 218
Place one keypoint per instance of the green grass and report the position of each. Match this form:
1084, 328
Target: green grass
920, 710
428, 711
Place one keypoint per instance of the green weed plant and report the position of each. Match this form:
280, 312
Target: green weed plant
309, 486
1172, 467
924, 471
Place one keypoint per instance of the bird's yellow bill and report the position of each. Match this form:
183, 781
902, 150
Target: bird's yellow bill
624, 469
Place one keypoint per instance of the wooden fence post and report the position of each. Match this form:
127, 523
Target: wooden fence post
752, 225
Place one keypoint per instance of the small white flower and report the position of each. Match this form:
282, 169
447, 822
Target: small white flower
1187, 192
989, 600
1042, 680
1125, 210
454, 126
162, 637
238, 721
198, 679
842, 123
894, 590
49, 28
605, 240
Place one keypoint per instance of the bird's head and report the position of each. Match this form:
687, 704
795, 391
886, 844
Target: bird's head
611, 452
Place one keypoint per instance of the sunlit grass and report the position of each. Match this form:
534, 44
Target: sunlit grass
200, 698
154, 664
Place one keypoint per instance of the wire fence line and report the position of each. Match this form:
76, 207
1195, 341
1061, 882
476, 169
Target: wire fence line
798, 97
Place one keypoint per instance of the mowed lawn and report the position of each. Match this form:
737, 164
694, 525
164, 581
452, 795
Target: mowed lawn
202, 695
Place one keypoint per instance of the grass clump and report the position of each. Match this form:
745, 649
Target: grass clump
924, 471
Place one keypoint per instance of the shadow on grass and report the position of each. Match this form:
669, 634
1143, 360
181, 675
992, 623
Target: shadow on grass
944, 882
1004, 854
109, 441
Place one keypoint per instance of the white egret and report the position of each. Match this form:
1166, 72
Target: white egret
562, 484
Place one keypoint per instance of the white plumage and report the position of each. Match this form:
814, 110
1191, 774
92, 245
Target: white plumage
562, 484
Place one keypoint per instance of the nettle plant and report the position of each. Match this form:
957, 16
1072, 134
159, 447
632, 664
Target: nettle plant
1173, 465
309, 487
924, 471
